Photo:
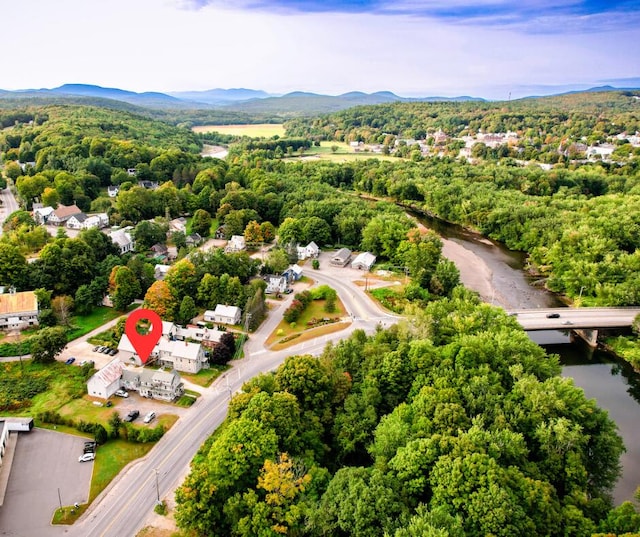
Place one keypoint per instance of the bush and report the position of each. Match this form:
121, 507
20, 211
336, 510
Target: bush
161, 508
315, 264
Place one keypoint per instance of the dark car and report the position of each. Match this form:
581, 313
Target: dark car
69, 361
112, 352
553, 315
96, 348
132, 415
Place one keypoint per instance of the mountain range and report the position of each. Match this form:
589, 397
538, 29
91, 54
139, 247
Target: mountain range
231, 101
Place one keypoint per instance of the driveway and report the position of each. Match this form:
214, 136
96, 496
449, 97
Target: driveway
45, 465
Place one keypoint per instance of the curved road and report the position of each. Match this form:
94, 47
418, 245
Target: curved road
122, 509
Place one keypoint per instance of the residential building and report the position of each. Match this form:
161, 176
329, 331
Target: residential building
160, 271
363, 261
310, 250
18, 310
178, 224
41, 214
160, 250
123, 240
194, 239
341, 257
112, 191
107, 381
60, 215
149, 185
225, 314
164, 385
236, 244
276, 284
155, 384
76, 221
293, 273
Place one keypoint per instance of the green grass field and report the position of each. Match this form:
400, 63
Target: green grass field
99, 316
264, 130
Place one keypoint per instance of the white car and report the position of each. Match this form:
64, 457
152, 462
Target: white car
121, 393
149, 417
86, 457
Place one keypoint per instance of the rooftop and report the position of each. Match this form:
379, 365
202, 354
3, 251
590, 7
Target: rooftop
18, 302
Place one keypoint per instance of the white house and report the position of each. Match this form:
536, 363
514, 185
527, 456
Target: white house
236, 244
160, 271
311, 250
106, 381
227, 314
77, 221
363, 261
276, 284
123, 240
157, 384
112, 191
41, 214
98, 220
178, 224
18, 310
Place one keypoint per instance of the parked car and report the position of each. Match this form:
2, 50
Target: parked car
69, 361
121, 393
90, 443
96, 348
149, 417
104, 350
89, 449
112, 352
553, 315
86, 457
132, 415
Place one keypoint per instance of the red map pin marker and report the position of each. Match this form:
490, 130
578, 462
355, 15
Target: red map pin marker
143, 343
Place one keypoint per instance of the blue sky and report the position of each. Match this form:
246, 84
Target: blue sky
486, 48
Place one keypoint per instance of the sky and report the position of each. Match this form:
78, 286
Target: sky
493, 49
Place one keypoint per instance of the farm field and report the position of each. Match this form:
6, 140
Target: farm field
263, 130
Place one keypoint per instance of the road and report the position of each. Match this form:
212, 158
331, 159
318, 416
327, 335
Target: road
122, 508
575, 318
9, 205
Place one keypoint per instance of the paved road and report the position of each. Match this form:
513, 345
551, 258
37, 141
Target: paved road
9, 205
122, 509
570, 318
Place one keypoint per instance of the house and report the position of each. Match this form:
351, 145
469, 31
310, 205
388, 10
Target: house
123, 240
41, 214
18, 310
194, 239
226, 314
236, 244
106, 381
159, 250
98, 221
310, 250
131, 172
112, 191
76, 221
363, 261
163, 385
178, 224
276, 284
221, 232
293, 273
341, 257
155, 384
160, 271
172, 350
60, 215
149, 185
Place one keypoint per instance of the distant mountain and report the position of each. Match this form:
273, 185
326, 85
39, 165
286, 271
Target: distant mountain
149, 98
220, 96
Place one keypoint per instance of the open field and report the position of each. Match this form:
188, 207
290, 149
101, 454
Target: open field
343, 153
264, 130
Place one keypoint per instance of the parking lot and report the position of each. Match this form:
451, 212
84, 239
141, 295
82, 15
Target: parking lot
45, 465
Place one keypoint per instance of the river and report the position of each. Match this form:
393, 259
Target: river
498, 275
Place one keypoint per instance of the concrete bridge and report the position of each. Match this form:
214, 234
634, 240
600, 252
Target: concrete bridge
585, 322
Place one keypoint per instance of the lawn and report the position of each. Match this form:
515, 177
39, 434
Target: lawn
84, 324
293, 333
262, 130
205, 377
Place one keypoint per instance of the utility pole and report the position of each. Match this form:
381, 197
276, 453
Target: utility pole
157, 487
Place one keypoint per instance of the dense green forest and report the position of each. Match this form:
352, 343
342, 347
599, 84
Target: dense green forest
452, 424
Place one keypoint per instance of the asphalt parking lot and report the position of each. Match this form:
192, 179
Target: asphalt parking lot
45, 462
